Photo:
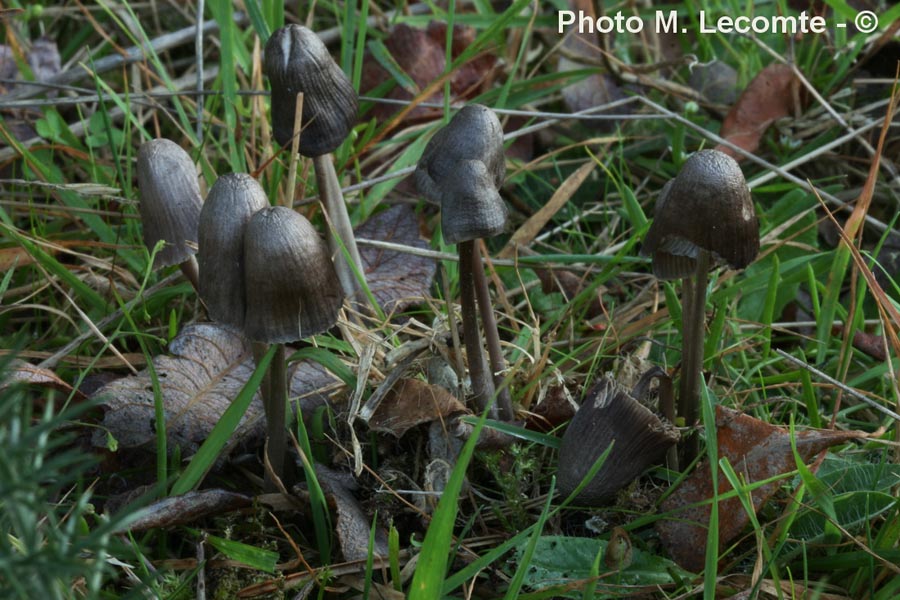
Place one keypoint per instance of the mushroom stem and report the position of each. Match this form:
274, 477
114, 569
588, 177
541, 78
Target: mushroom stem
482, 387
275, 408
667, 408
191, 272
492, 337
693, 320
342, 235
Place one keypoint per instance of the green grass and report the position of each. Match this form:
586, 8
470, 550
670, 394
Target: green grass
74, 267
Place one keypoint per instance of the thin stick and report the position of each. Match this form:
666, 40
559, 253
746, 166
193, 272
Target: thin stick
53, 360
295, 153
482, 387
492, 337
837, 384
131, 55
198, 51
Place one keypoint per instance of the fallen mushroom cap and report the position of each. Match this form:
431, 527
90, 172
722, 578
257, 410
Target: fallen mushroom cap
170, 200
292, 289
707, 206
295, 61
474, 133
610, 414
231, 202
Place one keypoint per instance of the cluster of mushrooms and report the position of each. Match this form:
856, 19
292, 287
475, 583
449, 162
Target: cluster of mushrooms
265, 271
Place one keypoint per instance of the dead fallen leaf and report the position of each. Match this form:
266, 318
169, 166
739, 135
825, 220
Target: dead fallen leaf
413, 402
419, 55
396, 279
44, 61
555, 408
19, 371
178, 510
595, 89
870, 344
774, 93
757, 451
352, 525
208, 366
716, 80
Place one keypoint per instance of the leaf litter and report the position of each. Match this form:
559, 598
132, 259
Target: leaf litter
207, 367
758, 451
774, 93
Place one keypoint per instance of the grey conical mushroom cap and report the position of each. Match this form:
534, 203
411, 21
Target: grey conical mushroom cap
474, 133
471, 207
170, 200
609, 414
292, 288
462, 167
708, 206
295, 61
231, 202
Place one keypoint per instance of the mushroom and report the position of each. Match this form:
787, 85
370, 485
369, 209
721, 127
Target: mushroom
704, 217
462, 168
292, 288
610, 415
230, 203
292, 292
170, 204
296, 61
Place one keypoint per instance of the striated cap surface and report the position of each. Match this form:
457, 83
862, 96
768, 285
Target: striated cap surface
610, 414
462, 168
296, 61
231, 202
170, 200
707, 206
292, 288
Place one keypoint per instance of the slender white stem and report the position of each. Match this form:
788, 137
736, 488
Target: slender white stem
342, 235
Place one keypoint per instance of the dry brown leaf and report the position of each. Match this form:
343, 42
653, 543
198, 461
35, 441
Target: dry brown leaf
353, 525
208, 366
420, 53
552, 411
593, 90
757, 451
20, 371
716, 80
44, 61
774, 93
413, 402
396, 279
